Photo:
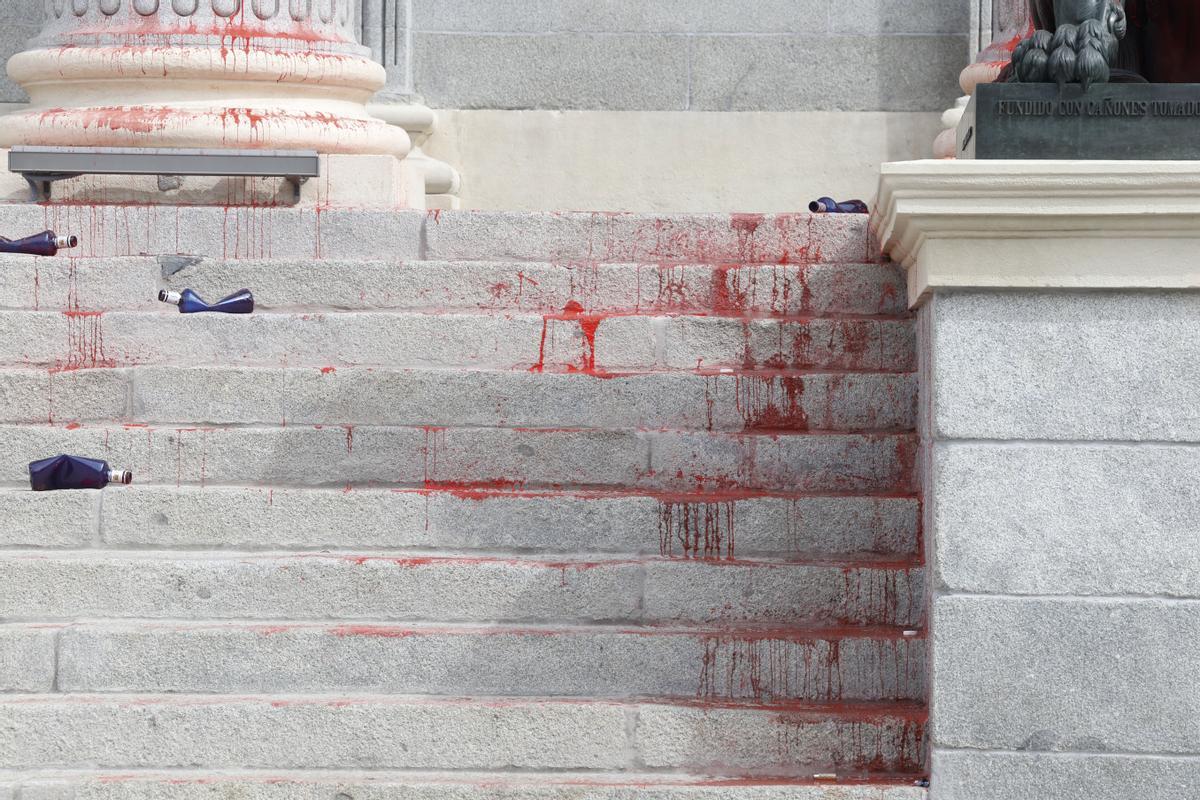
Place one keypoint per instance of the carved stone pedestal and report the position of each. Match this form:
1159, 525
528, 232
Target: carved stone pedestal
1059, 321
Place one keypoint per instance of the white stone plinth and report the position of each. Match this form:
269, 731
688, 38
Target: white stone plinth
1041, 224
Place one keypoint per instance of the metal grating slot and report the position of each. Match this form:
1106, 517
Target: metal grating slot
41, 166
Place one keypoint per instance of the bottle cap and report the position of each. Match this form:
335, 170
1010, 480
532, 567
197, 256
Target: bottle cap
167, 296
66, 241
122, 476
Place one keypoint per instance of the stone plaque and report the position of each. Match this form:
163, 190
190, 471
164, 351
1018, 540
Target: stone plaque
1116, 121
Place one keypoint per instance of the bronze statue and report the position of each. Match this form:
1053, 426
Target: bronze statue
1094, 41
1161, 45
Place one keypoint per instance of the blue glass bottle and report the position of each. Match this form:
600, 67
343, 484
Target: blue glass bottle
46, 243
240, 302
73, 472
827, 205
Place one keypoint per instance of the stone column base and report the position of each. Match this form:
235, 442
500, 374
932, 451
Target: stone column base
346, 181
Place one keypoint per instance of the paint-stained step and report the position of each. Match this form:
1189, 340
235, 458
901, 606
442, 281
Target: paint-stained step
520, 458
317, 785
382, 732
744, 664
365, 284
571, 341
265, 232
83, 584
716, 401
679, 526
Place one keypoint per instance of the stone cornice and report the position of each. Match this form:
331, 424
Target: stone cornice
1041, 224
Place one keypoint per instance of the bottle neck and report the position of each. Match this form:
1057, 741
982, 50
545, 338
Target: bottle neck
122, 476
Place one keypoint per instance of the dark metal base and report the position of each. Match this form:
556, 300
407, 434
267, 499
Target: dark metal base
1115, 121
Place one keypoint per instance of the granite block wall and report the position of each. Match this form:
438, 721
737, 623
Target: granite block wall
1061, 505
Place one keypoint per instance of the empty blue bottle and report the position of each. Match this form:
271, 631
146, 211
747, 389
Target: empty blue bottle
73, 472
827, 205
46, 243
240, 302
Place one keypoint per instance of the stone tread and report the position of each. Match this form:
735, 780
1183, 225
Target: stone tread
720, 401
279, 233
49, 586
84, 339
466, 458
683, 526
386, 732
318, 785
743, 664
111, 284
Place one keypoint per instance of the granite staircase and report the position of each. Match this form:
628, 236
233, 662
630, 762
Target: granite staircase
475, 505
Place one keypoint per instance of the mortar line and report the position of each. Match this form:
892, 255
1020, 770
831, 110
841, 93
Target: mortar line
1080, 443
1090, 599
55, 658
1073, 754
410, 82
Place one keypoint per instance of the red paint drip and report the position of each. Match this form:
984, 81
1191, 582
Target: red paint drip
588, 325
700, 530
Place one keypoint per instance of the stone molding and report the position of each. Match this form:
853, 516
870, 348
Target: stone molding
960, 224
299, 10
420, 122
324, 25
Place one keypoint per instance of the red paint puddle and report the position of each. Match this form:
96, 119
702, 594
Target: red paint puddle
481, 490
374, 631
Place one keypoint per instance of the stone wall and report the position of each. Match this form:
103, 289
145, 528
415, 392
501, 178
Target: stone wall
20, 21
1063, 507
691, 105
677, 55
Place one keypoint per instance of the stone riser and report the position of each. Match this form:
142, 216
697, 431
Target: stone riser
481, 457
367, 731
88, 339
356, 396
688, 526
278, 785
61, 586
321, 234
350, 283
711, 665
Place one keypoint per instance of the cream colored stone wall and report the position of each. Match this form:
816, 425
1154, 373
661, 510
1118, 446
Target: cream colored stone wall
672, 161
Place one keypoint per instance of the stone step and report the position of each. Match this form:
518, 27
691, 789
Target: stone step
478, 457
673, 526
91, 339
380, 732
283, 785
742, 401
330, 233
49, 586
60, 284
771, 666
669, 238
